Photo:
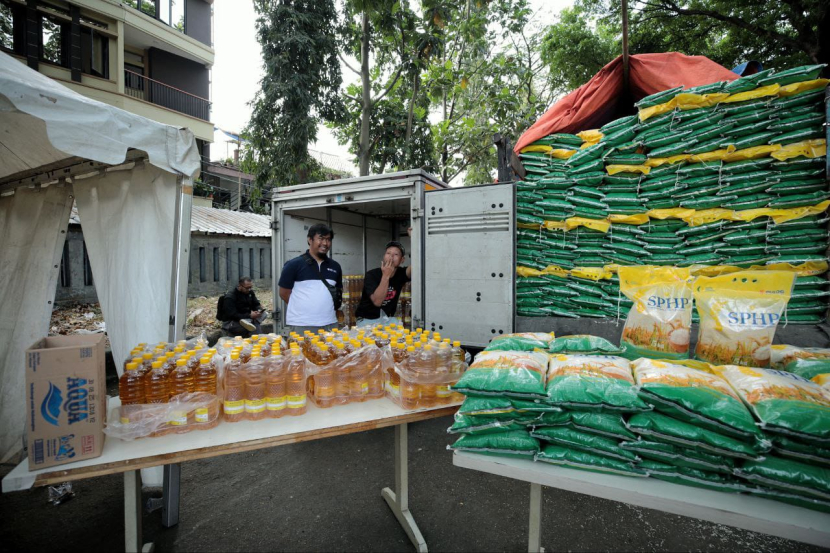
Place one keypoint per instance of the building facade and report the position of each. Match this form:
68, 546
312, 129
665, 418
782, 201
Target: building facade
149, 57
224, 246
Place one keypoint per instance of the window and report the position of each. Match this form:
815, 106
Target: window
239, 265
87, 269
262, 263
215, 264
12, 27
251, 259
95, 53
229, 278
144, 6
64, 270
202, 268
53, 33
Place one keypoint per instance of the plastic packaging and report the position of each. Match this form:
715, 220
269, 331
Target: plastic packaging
788, 475
583, 344
659, 323
572, 458
596, 382
738, 315
521, 341
695, 396
591, 443
513, 374
179, 415
509, 442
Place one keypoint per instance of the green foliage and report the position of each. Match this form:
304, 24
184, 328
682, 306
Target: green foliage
299, 88
576, 47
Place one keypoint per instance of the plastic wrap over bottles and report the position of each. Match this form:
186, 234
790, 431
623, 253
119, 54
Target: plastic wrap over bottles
183, 413
355, 377
413, 388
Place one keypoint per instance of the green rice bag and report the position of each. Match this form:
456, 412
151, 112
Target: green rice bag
583, 344
628, 121
804, 453
802, 99
609, 425
794, 75
663, 238
695, 396
704, 120
796, 236
749, 141
667, 259
693, 477
788, 475
800, 200
531, 312
627, 238
591, 443
666, 138
797, 135
752, 201
792, 498
658, 98
660, 428
618, 137
520, 341
509, 373
677, 147
504, 407
806, 186
736, 132
744, 84
597, 382
465, 424
800, 164
587, 156
744, 189
707, 202
628, 249
804, 120
745, 237
703, 146
625, 159
784, 403
679, 456
699, 169
570, 458
747, 166
591, 178
751, 106
529, 219
510, 442
564, 138
749, 118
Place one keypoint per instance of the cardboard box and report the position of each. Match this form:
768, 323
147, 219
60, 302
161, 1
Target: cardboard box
66, 397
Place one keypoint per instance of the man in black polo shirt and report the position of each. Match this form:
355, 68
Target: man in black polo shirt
382, 288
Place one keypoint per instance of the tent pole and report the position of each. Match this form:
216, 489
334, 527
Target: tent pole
624, 7
177, 321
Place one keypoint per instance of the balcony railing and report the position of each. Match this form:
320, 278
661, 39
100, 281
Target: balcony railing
149, 90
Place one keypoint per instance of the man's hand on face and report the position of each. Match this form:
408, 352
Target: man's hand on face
387, 268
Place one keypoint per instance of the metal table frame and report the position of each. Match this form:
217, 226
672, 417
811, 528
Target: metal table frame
742, 511
130, 457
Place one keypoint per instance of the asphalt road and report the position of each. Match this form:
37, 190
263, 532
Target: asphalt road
325, 496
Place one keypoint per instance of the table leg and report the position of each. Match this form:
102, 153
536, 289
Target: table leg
534, 541
133, 542
398, 500
170, 495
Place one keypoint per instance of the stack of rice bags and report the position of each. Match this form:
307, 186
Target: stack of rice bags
639, 164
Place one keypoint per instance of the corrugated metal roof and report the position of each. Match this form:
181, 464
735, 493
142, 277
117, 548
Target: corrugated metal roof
217, 221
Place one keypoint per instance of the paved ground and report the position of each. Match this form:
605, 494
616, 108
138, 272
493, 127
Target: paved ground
325, 496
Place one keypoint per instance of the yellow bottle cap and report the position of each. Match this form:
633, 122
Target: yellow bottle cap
235, 355
410, 349
132, 366
156, 364
255, 354
444, 345
427, 347
456, 344
204, 361
147, 356
255, 337
142, 344
137, 359
181, 362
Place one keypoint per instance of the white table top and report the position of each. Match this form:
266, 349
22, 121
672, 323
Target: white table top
743, 511
226, 438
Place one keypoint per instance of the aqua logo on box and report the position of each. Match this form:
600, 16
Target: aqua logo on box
76, 405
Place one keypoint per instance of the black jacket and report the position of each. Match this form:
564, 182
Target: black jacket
239, 305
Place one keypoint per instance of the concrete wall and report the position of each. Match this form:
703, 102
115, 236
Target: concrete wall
197, 24
203, 281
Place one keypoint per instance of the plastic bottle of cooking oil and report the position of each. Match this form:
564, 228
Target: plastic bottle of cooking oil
146, 362
131, 385
205, 381
275, 389
359, 373
182, 379
374, 376
295, 383
234, 405
410, 390
255, 385
323, 383
423, 364
443, 364
393, 378
157, 384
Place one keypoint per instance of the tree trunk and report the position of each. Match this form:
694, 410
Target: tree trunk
415, 82
363, 152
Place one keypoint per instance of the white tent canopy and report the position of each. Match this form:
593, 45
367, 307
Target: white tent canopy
131, 179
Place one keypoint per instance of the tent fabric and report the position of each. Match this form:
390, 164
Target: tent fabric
77, 126
129, 229
33, 226
596, 102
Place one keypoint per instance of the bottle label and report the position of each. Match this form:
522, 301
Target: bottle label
202, 414
255, 405
443, 391
178, 418
234, 407
296, 402
393, 390
125, 420
275, 403
364, 387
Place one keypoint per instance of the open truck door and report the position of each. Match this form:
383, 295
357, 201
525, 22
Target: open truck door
469, 262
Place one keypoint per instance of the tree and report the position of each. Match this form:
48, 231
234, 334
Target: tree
299, 89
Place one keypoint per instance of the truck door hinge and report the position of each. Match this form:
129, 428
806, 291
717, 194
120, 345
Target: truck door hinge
275, 225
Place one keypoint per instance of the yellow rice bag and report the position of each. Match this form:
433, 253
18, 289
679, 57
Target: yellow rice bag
738, 315
659, 323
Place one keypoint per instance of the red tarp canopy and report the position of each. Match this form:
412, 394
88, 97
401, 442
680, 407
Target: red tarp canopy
597, 102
